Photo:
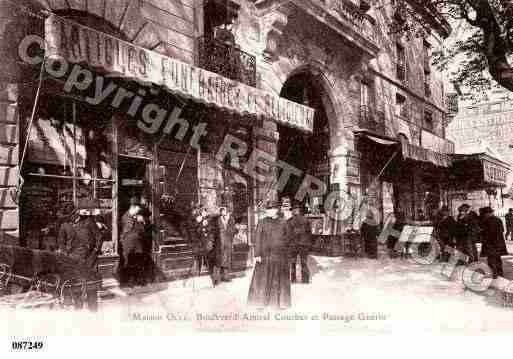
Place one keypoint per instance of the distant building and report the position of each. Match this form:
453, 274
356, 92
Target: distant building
486, 128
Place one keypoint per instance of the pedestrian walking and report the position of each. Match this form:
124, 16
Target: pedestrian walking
400, 222
203, 240
132, 244
466, 233
81, 239
369, 231
301, 242
223, 246
445, 228
270, 284
494, 245
509, 224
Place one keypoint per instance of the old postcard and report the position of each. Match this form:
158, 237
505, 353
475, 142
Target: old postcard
255, 166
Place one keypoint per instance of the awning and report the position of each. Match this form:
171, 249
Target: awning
422, 154
409, 151
379, 139
75, 43
480, 170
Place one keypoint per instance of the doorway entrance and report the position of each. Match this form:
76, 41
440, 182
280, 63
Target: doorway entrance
308, 152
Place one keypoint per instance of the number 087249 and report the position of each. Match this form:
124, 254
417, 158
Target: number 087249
27, 345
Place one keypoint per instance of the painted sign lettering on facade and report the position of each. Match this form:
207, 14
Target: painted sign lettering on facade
79, 44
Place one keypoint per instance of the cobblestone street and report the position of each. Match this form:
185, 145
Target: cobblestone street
345, 295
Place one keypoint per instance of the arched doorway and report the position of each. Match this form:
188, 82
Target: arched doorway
308, 152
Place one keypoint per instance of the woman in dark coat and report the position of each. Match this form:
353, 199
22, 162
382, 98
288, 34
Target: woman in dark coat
270, 285
494, 245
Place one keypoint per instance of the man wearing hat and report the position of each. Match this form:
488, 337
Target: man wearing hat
270, 284
445, 231
494, 245
465, 232
132, 246
81, 239
222, 256
301, 242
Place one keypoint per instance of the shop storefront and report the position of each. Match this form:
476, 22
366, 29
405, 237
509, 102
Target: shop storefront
147, 126
399, 175
479, 180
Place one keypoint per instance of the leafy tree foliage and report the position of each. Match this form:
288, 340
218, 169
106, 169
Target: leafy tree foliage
477, 55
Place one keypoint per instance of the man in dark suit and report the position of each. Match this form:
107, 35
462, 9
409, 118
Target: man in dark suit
223, 247
81, 238
494, 245
445, 227
509, 224
301, 242
132, 243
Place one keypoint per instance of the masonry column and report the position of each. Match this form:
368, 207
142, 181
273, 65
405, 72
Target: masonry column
12, 27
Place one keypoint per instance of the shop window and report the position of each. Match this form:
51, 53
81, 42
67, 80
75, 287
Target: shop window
69, 158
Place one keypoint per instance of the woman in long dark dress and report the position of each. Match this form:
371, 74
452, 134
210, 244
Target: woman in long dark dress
270, 285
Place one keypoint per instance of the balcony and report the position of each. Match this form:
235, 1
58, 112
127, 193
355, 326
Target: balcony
361, 22
227, 60
372, 120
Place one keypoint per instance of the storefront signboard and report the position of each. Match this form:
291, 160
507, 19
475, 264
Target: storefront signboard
425, 155
435, 143
494, 173
76, 43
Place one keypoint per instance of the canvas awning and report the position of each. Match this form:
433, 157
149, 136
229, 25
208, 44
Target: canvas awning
408, 151
75, 43
480, 170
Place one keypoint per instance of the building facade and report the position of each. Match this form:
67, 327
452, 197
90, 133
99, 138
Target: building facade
321, 88
486, 128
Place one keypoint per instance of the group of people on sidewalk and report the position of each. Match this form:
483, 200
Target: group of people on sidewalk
212, 242
470, 228
281, 237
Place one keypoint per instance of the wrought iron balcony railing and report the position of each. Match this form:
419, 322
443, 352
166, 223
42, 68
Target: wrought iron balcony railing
372, 120
227, 60
364, 24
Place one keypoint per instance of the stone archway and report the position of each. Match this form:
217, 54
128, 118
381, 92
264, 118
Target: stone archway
311, 153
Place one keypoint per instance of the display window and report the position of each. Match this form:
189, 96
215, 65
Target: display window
69, 158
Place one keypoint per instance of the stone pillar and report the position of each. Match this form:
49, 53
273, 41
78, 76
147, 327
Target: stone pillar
266, 139
9, 156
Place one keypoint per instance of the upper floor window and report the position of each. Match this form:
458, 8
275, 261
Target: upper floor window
428, 121
400, 62
427, 56
401, 105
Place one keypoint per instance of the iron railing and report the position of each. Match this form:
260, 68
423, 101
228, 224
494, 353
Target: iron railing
227, 60
363, 23
372, 120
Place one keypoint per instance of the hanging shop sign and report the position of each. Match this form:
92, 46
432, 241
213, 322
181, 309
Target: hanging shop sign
79, 44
